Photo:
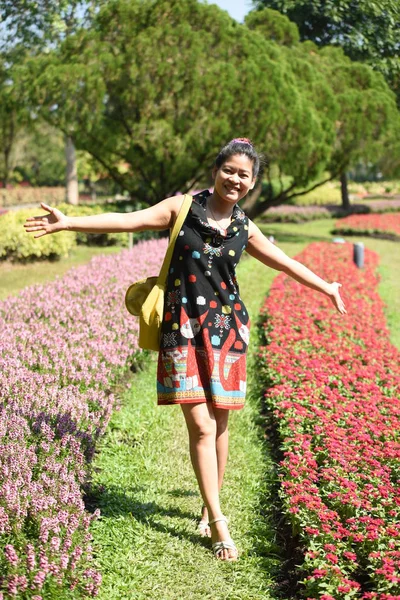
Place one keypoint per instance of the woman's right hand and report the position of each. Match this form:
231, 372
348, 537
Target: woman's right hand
51, 223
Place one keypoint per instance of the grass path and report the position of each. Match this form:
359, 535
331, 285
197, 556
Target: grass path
146, 541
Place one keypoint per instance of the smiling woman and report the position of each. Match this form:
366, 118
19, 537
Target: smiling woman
205, 328
235, 173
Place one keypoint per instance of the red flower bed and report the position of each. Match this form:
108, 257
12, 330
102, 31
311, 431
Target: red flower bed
333, 393
387, 224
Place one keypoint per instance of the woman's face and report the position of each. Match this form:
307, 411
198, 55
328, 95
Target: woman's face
234, 178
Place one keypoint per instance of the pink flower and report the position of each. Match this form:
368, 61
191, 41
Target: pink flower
11, 555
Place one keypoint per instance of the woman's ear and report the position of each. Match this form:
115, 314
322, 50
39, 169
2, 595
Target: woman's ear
253, 183
214, 173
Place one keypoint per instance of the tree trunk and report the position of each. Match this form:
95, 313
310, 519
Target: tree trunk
72, 195
345, 191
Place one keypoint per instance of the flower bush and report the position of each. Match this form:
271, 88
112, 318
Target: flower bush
333, 383
379, 224
63, 347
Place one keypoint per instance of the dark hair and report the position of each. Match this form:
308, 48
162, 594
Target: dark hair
239, 146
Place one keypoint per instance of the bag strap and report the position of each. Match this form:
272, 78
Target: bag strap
186, 204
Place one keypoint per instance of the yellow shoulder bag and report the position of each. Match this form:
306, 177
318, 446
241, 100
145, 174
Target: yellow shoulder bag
145, 298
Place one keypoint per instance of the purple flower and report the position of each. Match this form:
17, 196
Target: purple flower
63, 347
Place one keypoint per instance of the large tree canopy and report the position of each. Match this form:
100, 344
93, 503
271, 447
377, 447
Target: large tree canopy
155, 88
347, 96
35, 24
14, 116
367, 30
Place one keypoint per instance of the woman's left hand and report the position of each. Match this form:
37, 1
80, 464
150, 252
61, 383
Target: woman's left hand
334, 295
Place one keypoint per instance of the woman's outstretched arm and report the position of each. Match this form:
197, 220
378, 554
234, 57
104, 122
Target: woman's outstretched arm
158, 217
261, 248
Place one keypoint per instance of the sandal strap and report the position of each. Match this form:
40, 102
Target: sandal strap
202, 526
224, 545
218, 519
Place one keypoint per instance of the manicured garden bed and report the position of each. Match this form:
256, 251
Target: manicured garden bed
333, 397
386, 226
64, 346
291, 213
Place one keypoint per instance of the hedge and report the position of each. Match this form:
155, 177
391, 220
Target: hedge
18, 245
31, 195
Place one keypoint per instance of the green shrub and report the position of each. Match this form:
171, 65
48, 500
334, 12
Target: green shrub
329, 193
17, 244
103, 239
377, 188
94, 239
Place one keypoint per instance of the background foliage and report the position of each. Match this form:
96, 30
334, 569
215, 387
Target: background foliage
152, 121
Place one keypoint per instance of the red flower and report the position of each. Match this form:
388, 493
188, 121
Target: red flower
332, 393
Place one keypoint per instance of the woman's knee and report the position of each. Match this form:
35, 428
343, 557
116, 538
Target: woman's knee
200, 423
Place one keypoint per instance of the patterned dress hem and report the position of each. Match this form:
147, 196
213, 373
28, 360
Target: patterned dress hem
198, 401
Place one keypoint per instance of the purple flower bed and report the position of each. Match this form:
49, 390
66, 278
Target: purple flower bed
63, 346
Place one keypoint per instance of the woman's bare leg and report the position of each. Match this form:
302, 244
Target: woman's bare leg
202, 428
222, 446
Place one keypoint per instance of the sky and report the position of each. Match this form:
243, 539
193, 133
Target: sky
236, 8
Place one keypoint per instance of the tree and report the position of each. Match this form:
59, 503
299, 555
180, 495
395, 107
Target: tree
154, 120
39, 155
31, 26
40, 24
367, 30
13, 117
366, 109
163, 113
273, 26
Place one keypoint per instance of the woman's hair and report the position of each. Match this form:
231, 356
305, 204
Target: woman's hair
239, 146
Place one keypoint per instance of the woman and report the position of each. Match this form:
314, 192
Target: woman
205, 331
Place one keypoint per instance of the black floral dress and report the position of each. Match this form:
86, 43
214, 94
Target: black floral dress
205, 330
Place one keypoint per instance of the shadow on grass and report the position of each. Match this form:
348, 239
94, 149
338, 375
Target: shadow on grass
114, 501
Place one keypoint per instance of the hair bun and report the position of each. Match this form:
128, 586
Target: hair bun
242, 141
